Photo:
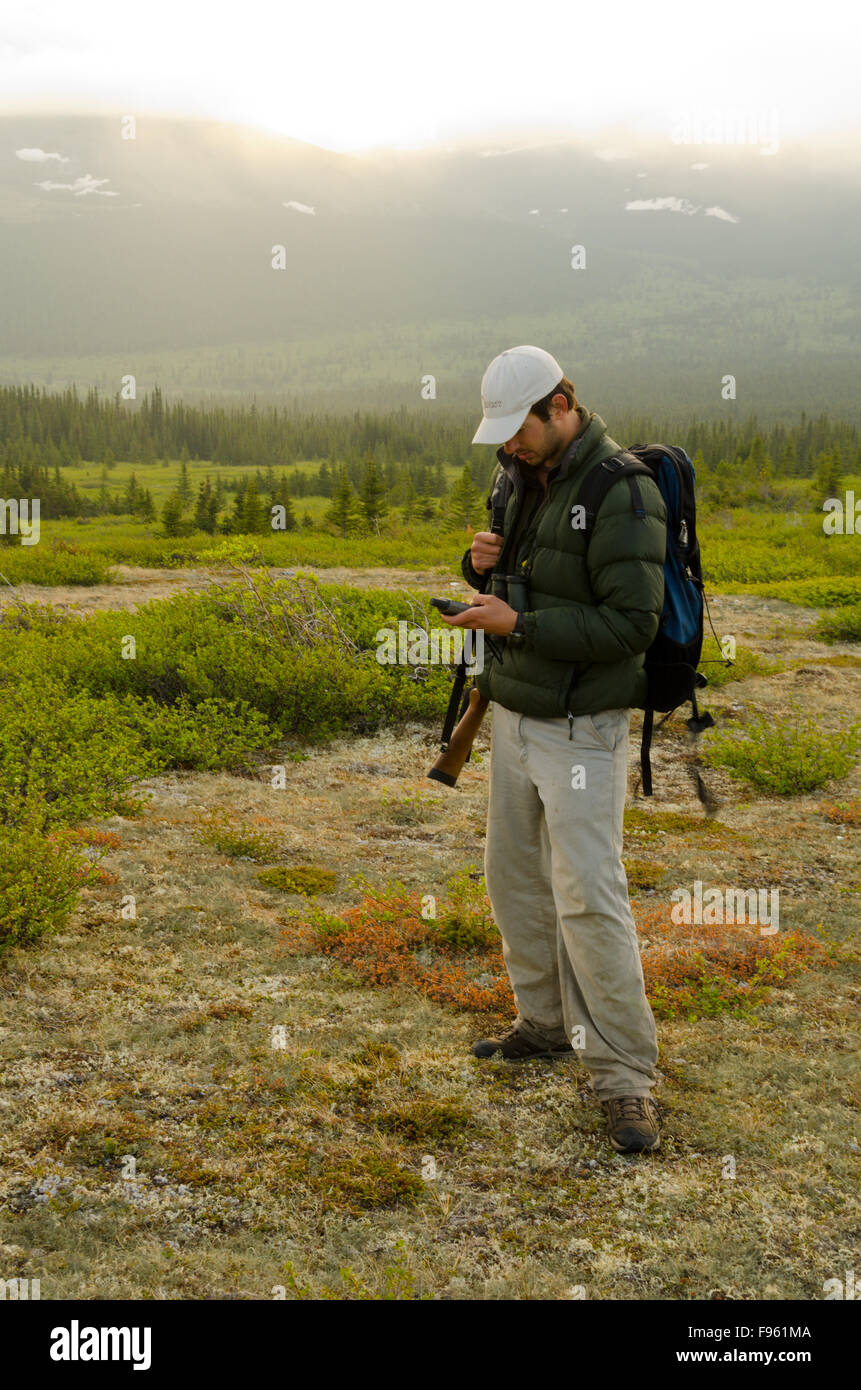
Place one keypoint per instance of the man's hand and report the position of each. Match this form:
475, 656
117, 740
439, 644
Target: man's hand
491, 614
484, 551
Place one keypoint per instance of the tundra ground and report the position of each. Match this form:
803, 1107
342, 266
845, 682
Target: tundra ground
156, 1144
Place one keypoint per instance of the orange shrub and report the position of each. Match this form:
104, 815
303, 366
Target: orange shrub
694, 970
710, 968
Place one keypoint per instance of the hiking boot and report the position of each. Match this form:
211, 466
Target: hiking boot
516, 1047
633, 1123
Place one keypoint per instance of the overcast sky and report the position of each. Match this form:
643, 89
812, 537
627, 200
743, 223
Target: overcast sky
351, 76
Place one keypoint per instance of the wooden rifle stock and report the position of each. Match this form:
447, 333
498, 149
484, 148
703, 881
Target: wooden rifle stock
449, 764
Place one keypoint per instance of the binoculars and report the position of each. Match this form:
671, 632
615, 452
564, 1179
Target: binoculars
513, 589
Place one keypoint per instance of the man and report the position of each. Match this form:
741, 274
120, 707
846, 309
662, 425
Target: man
562, 683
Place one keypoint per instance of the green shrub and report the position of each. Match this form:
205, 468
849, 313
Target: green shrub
464, 923
211, 680
644, 873
426, 1121
745, 663
745, 549
829, 592
37, 564
65, 758
410, 808
305, 879
241, 843
201, 737
40, 877
123, 541
359, 1180
310, 675
842, 626
786, 755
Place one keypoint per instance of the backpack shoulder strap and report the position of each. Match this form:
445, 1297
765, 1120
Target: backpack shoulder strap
594, 489
601, 478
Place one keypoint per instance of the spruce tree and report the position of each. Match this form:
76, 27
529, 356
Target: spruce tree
373, 496
345, 505
326, 484
827, 480
204, 513
254, 518
464, 499
184, 486
171, 516
788, 461
758, 465
131, 495
282, 498
237, 521
409, 499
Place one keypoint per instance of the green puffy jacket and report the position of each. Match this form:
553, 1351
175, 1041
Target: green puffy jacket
592, 611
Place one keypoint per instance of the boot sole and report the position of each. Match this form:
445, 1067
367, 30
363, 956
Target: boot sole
533, 1057
645, 1148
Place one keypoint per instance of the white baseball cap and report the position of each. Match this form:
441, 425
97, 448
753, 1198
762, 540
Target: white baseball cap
513, 382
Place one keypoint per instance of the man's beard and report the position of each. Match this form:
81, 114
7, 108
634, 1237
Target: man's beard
552, 444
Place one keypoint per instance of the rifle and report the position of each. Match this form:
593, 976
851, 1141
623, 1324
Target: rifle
466, 708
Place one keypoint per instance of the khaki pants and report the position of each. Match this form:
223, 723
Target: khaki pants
559, 894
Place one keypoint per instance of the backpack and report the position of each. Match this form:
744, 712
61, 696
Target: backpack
672, 659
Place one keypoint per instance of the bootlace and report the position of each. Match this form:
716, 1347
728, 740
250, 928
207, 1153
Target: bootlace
631, 1108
